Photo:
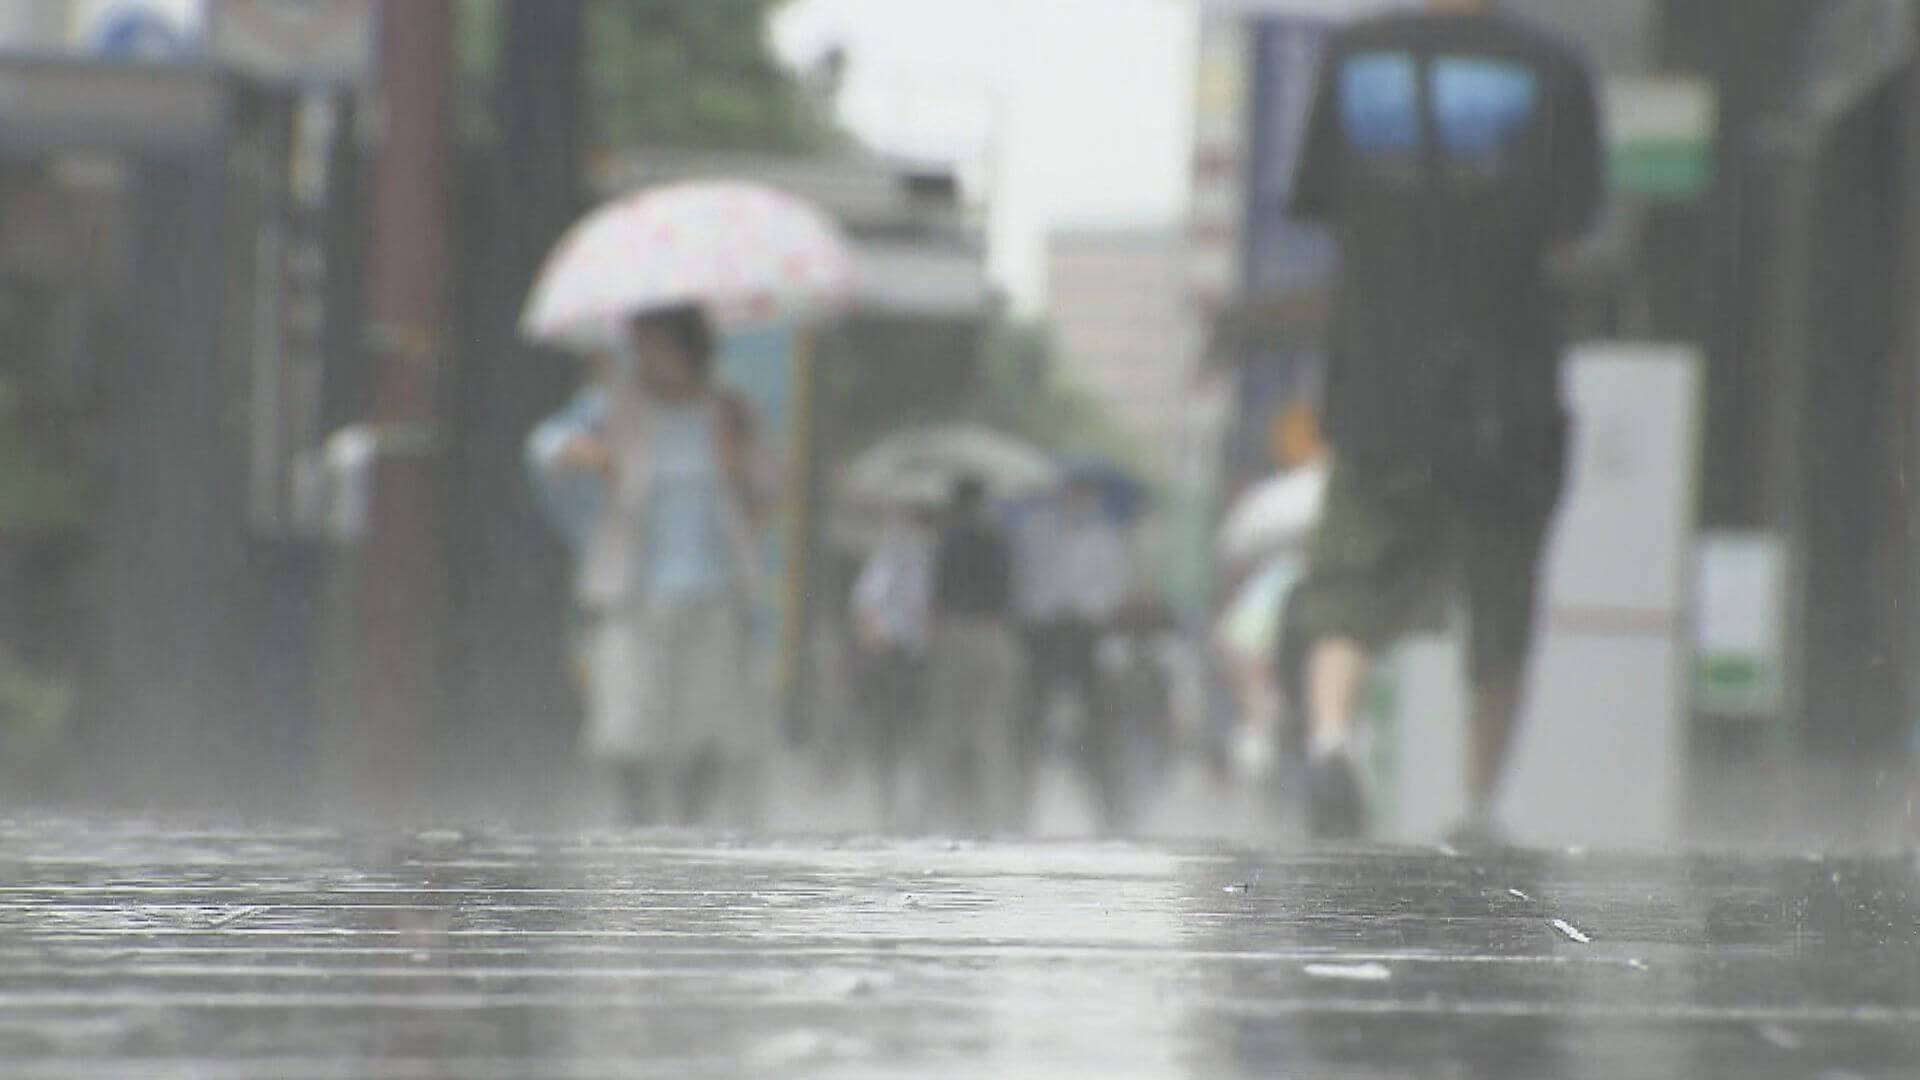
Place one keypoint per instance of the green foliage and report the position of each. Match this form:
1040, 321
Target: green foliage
476, 59
37, 493
684, 73
696, 73
34, 710
476, 39
1018, 392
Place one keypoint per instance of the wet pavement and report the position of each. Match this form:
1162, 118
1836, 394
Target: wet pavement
140, 950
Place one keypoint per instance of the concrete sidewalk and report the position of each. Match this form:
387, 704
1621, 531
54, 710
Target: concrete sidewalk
154, 950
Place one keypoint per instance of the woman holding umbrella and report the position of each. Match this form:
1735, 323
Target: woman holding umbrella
666, 575
666, 568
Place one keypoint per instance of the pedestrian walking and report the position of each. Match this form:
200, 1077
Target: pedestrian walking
1038, 601
892, 612
1094, 578
975, 671
665, 577
1453, 151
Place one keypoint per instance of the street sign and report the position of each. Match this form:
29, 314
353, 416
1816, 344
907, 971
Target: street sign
312, 42
1660, 136
1740, 631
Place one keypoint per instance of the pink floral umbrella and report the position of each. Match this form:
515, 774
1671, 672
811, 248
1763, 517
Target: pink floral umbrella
747, 253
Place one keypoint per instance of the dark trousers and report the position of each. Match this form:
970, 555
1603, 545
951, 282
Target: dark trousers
892, 686
1063, 657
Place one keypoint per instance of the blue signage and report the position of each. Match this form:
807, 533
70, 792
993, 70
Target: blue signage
1281, 253
137, 33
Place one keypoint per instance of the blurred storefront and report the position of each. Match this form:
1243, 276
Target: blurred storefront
1789, 267
154, 273
169, 273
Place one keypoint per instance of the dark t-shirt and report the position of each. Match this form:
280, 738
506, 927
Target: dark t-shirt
973, 573
1450, 153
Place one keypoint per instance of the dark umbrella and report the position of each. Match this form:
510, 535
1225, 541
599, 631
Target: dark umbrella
1122, 495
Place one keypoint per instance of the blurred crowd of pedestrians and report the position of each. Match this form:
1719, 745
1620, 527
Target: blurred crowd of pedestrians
982, 651
1451, 151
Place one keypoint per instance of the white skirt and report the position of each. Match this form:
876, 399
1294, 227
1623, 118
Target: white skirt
671, 681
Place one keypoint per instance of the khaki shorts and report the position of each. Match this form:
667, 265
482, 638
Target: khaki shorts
1393, 552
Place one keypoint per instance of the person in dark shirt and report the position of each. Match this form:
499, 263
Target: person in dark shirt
1452, 151
975, 671
973, 574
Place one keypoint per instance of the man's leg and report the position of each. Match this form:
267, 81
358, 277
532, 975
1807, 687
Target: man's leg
1375, 563
1336, 801
1036, 646
1494, 717
999, 753
945, 749
1105, 736
878, 711
1502, 565
1336, 668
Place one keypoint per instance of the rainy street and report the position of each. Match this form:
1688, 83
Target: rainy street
1314, 539
150, 950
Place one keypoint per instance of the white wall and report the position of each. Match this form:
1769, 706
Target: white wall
34, 25
1122, 328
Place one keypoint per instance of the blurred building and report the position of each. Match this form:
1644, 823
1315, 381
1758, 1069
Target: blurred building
1122, 330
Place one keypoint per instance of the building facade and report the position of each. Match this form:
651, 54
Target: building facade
1123, 331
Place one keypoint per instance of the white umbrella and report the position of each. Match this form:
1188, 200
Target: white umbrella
746, 253
1276, 515
921, 464
918, 466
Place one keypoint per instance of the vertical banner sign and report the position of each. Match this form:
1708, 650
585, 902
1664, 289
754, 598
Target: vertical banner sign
759, 365
1217, 169
1280, 252
771, 368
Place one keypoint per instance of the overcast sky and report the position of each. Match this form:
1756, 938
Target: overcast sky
1084, 104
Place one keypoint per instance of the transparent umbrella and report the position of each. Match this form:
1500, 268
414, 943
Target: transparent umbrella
920, 464
918, 467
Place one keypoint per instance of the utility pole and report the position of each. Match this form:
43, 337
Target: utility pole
511, 587
401, 609
1905, 634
